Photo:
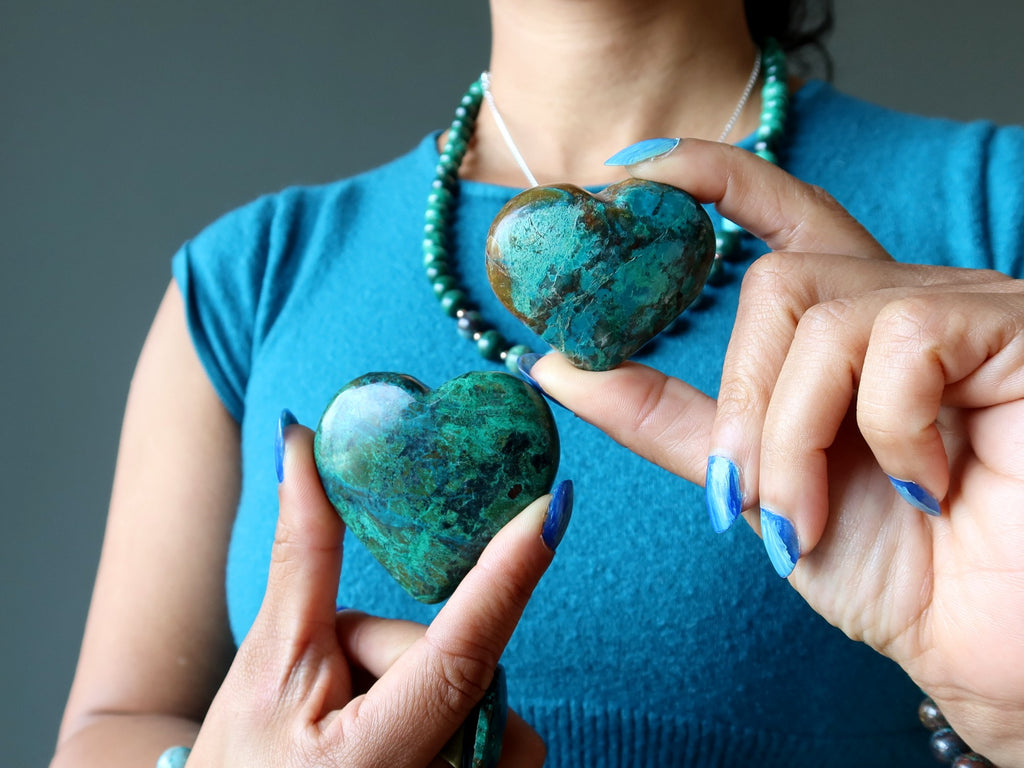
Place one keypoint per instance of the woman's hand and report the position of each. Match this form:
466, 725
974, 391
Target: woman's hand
312, 687
848, 379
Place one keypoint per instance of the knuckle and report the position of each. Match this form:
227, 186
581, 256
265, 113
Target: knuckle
657, 419
461, 671
910, 325
743, 395
775, 287
826, 324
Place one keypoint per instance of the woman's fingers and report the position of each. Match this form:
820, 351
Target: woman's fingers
427, 692
964, 349
784, 212
663, 419
305, 563
374, 644
904, 354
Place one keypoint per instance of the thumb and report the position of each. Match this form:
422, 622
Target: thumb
305, 563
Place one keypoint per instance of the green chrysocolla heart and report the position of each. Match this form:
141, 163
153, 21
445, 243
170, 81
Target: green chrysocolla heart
426, 478
598, 276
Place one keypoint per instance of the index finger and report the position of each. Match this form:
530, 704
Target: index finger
774, 206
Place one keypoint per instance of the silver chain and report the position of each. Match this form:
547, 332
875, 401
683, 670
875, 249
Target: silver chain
485, 82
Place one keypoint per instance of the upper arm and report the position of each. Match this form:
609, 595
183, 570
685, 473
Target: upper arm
157, 638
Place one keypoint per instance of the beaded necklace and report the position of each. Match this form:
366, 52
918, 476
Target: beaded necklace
437, 237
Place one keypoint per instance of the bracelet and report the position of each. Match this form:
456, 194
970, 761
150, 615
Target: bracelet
174, 757
946, 744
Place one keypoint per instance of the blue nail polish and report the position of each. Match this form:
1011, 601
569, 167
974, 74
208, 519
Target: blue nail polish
916, 496
286, 420
648, 149
780, 542
559, 513
722, 490
525, 365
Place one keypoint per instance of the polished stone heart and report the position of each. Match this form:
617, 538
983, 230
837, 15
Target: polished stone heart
426, 478
598, 276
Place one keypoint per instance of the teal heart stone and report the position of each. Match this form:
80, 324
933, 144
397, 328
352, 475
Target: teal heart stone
598, 276
425, 478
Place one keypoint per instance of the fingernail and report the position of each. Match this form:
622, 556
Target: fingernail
559, 512
722, 490
648, 149
780, 542
286, 420
525, 364
916, 496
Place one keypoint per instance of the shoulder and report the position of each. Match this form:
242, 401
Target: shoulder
268, 218
950, 191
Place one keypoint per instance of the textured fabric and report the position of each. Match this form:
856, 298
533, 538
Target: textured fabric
651, 640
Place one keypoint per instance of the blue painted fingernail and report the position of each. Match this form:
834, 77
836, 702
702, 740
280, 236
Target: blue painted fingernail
648, 149
286, 420
916, 496
780, 542
558, 515
525, 365
722, 490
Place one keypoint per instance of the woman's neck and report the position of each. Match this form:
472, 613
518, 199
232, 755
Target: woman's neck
577, 80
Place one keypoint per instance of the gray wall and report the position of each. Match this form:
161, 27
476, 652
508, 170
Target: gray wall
126, 126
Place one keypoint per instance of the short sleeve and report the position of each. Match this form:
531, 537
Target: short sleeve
1005, 198
219, 273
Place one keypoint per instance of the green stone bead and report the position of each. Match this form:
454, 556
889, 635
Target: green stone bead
491, 344
728, 225
718, 274
455, 146
769, 129
453, 300
433, 251
512, 356
727, 243
436, 270
434, 216
434, 260
774, 90
443, 284
440, 197
767, 154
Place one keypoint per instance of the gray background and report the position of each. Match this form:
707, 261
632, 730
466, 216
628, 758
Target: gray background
127, 126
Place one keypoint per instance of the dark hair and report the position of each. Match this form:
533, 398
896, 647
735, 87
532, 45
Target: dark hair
799, 26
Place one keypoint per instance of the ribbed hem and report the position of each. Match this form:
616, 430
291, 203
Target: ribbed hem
580, 735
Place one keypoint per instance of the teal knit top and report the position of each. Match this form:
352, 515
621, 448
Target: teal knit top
651, 641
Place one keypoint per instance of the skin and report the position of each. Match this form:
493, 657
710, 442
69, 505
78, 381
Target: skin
844, 367
307, 687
